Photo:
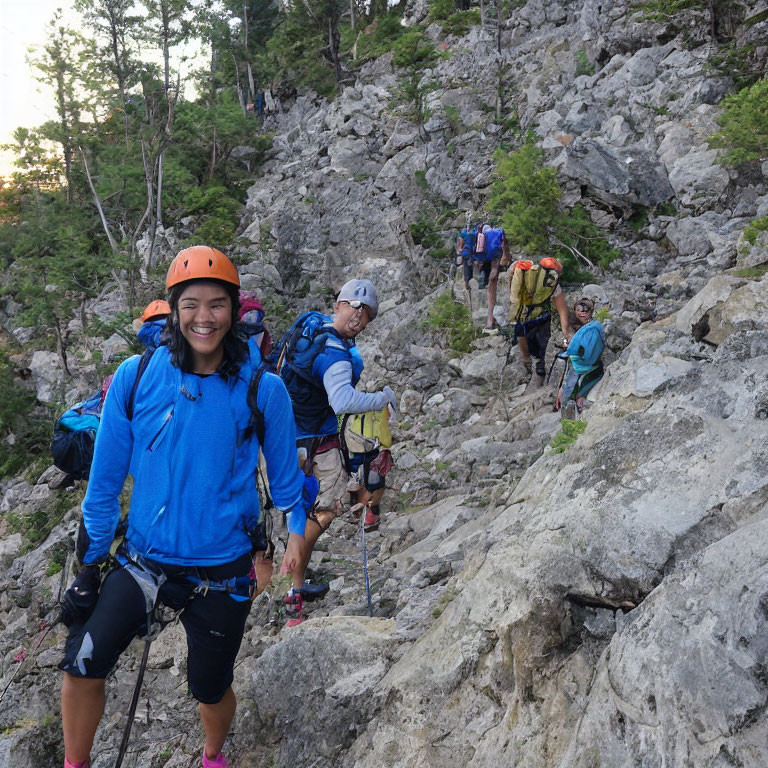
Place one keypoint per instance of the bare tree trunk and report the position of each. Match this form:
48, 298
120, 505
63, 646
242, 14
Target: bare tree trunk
333, 43
61, 346
498, 27
239, 85
213, 156
149, 178
248, 67
66, 142
97, 202
352, 14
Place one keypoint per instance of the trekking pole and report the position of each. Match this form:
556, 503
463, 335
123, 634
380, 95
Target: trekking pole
559, 356
365, 564
134, 703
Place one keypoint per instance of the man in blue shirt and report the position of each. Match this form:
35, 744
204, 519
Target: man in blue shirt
321, 382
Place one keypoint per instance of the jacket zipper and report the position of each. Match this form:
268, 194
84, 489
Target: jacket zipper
159, 431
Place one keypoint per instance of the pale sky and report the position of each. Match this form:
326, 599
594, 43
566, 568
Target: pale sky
23, 100
22, 24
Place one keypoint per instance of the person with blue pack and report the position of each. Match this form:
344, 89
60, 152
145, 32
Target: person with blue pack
149, 327
321, 366
188, 427
584, 352
486, 247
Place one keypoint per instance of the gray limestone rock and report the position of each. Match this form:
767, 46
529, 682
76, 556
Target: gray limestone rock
620, 176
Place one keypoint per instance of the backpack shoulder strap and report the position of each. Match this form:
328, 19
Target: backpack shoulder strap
257, 415
143, 363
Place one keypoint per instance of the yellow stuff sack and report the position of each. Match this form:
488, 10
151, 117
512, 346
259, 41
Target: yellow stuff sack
530, 289
366, 432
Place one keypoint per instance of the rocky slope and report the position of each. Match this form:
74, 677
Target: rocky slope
601, 606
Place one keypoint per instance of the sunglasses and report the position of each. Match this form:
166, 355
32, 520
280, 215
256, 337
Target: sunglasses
582, 308
355, 304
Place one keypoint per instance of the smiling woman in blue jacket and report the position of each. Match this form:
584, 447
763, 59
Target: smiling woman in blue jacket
182, 427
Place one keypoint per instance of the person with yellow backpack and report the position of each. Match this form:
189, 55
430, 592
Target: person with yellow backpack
533, 288
367, 442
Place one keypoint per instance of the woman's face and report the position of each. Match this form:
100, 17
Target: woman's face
205, 317
583, 313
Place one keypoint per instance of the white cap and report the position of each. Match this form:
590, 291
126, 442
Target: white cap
362, 291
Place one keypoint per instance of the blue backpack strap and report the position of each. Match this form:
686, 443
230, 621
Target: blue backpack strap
256, 422
143, 363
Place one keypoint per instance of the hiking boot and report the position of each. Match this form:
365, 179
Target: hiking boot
371, 519
492, 330
215, 762
528, 367
293, 604
310, 591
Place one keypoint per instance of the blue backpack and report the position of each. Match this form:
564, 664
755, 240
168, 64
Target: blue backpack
494, 245
587, 345
467, 241
300, 345
74, 434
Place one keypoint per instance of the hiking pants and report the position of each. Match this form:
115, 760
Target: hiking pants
537, 333
214, 623
575, 385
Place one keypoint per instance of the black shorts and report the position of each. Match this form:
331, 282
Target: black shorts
537, 332
214, 624
483, 266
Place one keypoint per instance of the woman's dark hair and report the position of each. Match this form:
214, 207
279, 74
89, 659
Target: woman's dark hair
235, 343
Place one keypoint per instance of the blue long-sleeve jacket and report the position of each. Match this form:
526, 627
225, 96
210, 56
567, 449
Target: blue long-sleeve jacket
192, 462
586, 347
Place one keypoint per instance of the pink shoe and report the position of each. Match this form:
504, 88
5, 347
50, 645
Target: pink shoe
371, 519
67, 764
218, 762
294, 605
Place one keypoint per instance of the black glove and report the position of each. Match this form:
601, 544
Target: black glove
259, 539
79, 600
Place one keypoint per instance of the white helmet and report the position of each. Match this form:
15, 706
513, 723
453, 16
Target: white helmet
362, 291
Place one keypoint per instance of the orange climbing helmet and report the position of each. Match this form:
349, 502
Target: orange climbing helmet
550, 262
156, 308
201, 262
524, 264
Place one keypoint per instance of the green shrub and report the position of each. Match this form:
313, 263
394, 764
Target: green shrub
751, 273
744, 125
412, 93
440, 10
459, 23
754, 228
453, 319
376, 39
583, 65
527, 196
413, 50
568, 434
219, 211
29, 432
